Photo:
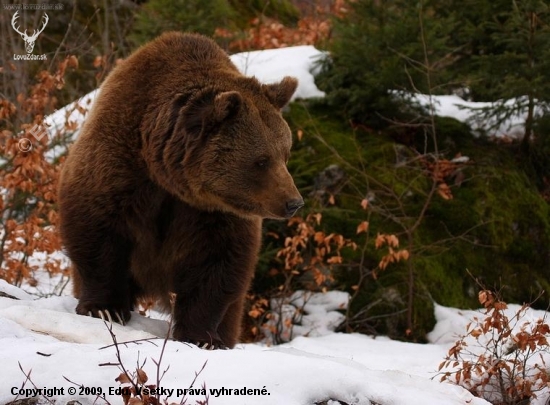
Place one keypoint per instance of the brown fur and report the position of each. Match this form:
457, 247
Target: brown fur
178, 162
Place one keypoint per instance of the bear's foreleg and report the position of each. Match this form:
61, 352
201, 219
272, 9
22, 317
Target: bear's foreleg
231, 325
102, 278
208, 307
212, 256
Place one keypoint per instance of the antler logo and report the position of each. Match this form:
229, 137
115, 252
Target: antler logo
29, 40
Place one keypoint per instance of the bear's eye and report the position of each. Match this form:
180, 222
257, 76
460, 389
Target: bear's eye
262, 162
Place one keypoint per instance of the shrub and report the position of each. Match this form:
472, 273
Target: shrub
28, 185
502, 358
382, 46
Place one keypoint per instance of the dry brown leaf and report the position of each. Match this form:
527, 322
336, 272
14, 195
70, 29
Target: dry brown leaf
123, 379
141, 376
362, 227
444, 191
380, 241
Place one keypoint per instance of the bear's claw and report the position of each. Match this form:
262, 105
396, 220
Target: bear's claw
120, 319
208, 346
105, 315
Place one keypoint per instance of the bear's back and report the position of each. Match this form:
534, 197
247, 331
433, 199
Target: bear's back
172, 61
186, 49
150, 77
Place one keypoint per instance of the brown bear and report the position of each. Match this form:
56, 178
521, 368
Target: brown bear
165, 189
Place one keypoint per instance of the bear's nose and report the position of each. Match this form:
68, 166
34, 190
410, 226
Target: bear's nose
293, 205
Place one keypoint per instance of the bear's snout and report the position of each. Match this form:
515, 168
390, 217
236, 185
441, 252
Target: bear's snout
292, 206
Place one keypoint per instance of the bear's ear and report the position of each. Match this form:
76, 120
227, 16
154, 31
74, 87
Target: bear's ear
226, 105
208, 111
279, 94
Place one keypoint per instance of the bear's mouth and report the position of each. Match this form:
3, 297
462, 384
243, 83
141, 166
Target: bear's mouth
239, 207
255, 210
246, 208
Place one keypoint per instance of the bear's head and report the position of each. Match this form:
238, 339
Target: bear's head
233, 149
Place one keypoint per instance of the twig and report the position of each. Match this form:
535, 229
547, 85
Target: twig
28, 379
118, 356
136, 341
197, 373
159, 361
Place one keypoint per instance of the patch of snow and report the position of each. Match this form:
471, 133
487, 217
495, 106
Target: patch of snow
271, 65
305, 314
42, 283
471, 113
451, 322
71, 117
460, 159
12, 291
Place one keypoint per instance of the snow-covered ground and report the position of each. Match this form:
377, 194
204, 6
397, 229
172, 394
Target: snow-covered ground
46, 337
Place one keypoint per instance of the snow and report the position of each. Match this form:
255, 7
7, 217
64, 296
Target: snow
12, 291
452, 322
307, 313
471, 113
72, 115
41, 283
272, 65
47, 337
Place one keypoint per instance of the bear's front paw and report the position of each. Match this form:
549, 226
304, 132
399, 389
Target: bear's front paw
107, 314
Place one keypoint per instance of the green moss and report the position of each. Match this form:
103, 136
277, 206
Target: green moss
443, 285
